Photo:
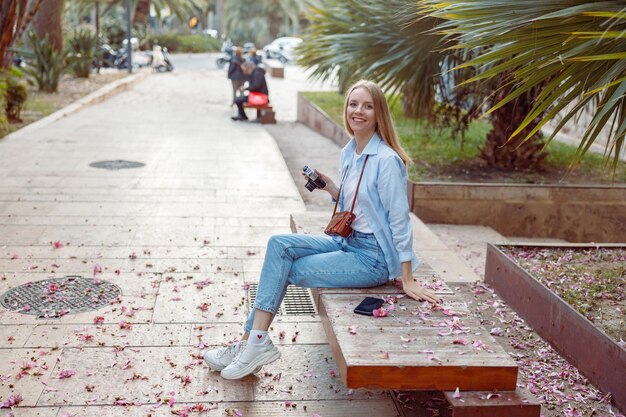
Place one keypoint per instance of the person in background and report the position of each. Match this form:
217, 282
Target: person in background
256, 84
235, 73
378, 248
254, 57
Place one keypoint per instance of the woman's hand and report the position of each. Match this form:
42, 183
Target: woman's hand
413, 289
330, 187
419, 293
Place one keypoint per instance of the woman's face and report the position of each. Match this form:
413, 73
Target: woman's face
360, 112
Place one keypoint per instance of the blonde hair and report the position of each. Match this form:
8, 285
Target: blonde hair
384, 124
239, 52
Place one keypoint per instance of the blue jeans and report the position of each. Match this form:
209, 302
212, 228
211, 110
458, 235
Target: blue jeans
317, 262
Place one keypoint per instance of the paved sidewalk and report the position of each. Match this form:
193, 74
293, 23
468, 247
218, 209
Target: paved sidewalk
182, 237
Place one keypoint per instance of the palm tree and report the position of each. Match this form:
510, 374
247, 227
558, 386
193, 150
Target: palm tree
575, 48
15, 17
384, 42
50, 24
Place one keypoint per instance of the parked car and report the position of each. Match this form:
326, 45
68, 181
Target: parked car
283, 49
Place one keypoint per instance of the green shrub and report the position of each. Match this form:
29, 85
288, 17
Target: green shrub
15, 95
82, 52
184, 42
45, 64
4, 120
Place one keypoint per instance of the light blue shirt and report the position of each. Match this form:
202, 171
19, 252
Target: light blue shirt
384, 201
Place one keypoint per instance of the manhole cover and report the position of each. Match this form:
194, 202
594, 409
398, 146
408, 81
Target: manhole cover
57, 297
116, 165
297, 301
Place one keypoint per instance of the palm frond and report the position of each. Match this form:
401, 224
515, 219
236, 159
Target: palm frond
386, 42
578, 46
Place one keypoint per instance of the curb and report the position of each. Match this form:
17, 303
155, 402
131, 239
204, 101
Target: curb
95, 97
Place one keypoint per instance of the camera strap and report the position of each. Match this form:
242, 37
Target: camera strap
357, 186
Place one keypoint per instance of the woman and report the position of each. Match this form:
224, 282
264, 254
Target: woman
254, 57
379, 248
235, 73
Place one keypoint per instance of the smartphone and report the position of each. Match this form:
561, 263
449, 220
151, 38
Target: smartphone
368, 305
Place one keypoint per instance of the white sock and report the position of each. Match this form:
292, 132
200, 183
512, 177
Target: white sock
257, 337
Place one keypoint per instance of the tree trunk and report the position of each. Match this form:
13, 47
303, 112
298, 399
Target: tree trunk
15, 16
142, 12
219, 16
514, 154
50, 22
274, 23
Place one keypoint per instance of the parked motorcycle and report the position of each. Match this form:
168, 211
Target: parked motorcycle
161, 59
110, 58
225, 59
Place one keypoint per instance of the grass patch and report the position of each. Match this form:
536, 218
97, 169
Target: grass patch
439, 156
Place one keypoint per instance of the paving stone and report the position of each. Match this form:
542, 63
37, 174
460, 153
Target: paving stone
164, 367
24, 371
84, 335
14, 336
305, 373
300, 333
218, 302
334, 408
35, 412
141, 309
328, 408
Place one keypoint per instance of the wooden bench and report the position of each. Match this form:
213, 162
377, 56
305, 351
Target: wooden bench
264, 114
415, 348
274, 67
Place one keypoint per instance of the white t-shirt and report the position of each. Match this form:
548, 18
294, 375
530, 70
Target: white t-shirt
349, 188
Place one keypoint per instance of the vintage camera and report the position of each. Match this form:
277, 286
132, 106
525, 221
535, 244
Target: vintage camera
314, 180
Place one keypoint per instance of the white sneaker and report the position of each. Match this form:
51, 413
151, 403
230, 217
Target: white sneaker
250, 359
220, 358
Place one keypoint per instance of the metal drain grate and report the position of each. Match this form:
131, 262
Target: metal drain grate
116, 165
298, 301
56, 297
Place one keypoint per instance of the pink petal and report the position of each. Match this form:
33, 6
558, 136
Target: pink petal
66, 373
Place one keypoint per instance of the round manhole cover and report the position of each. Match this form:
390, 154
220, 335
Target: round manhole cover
57, 297
118, 164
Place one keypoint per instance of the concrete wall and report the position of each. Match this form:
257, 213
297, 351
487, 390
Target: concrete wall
315, 118
574, 213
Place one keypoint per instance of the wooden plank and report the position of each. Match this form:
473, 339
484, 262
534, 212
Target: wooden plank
406, 351
518, 403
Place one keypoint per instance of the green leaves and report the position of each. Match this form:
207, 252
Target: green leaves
578, 46
45, 64
387, 42
82, 46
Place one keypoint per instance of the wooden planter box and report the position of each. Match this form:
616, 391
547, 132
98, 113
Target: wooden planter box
576, 213
600, 358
